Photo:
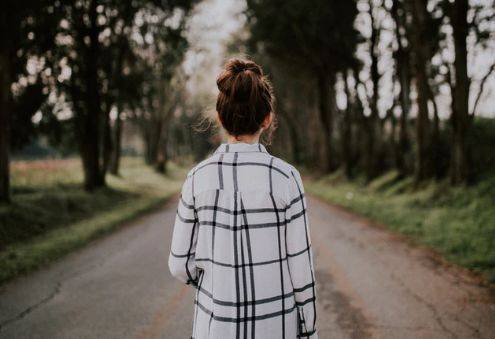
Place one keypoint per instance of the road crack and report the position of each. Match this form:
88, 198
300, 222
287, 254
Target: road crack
31, 308
430, 306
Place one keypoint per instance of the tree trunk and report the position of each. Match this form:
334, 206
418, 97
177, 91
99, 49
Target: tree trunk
435, 137
152, 136
403, 69
290, 113
116, 137
372, 130
5, 106
107, 143
93, 176
290, 121
360, 122
460, 111
422, 126
405, 104
393, 139
422, 122
324, 83
117, 143
346, 140
162, 158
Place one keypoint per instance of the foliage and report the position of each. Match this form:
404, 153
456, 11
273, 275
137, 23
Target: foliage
481, 140
317, 38
457, 222
345, 60
73, 63
317, 35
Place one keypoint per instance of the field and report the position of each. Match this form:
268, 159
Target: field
51, 214
459, 223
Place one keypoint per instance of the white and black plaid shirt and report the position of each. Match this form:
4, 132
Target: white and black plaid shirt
241, 237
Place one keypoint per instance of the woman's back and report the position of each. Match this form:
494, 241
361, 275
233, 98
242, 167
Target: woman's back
241, 237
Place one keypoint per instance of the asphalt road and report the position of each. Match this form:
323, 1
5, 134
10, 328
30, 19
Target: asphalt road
371, 284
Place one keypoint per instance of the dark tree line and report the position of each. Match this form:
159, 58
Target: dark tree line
94, 59
321, 51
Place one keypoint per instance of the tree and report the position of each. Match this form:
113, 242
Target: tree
86, 23
121, 88
466, 20
460, 109
26, 29
372, 129
294, 37
347, 122
419, 36
402, 64
159, 61
6, 53
95, 30
5, 103
319, 37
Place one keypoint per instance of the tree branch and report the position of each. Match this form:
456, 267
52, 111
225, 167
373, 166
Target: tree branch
482, 88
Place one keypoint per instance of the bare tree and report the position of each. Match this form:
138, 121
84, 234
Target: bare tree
402, 64
460, 109
419, 36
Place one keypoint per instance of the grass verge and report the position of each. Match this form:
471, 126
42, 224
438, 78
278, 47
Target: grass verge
51, 215
457, 222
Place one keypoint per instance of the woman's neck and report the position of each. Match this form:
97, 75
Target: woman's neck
248, 139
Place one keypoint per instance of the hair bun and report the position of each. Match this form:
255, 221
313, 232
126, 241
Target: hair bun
240, 78
237, 66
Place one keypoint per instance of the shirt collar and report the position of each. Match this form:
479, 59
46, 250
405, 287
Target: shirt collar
240, 147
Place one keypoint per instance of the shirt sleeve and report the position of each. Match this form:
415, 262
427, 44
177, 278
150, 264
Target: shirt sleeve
300, 258
181, 262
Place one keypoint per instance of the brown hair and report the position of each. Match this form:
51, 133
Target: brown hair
245, 98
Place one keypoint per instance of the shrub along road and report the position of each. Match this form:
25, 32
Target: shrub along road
370, 284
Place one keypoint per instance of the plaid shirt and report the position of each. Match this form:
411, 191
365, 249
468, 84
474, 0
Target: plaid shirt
241, 237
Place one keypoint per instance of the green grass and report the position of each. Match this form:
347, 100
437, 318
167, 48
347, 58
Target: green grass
458, 222
51, 214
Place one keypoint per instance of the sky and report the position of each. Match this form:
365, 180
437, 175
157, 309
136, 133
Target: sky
211, 26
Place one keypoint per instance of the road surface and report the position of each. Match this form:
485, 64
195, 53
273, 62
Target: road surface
371, 284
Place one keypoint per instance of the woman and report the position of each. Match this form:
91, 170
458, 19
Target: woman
241, 234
